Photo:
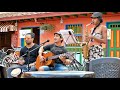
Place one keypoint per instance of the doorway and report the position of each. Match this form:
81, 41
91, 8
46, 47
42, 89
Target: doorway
36, 30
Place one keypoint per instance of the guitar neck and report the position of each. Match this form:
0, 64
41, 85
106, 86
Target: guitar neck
57, 56
53, 57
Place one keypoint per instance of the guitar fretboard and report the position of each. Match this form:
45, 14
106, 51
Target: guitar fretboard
53, 57
68, 54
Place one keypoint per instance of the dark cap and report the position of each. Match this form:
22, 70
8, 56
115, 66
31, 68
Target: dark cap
96, 15
58, 34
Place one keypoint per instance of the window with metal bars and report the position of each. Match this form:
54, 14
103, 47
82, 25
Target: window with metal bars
115, 26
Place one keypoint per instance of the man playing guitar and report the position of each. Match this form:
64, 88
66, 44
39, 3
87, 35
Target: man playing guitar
57, 49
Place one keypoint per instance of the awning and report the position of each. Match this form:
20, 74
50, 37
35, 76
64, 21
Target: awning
6, 27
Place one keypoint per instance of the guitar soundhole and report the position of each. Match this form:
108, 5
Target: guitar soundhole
46, 59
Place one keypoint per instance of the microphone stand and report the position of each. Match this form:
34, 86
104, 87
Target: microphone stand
76, 62
28, 54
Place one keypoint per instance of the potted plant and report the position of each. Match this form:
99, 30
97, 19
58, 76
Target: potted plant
47, 27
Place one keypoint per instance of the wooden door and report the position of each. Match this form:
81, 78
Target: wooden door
5, 39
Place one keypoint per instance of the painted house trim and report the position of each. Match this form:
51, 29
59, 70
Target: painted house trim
51, 14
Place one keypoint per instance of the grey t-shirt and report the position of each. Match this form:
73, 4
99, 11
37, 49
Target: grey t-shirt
56, 50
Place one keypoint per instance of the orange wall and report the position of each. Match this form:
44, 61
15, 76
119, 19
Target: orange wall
50, 34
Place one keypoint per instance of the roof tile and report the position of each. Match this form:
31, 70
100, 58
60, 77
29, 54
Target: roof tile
13, 14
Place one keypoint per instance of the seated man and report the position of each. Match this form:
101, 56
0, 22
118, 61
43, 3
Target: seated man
57, 49
28, 60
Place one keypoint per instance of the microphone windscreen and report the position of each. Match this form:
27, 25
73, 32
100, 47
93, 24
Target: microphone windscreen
48, 40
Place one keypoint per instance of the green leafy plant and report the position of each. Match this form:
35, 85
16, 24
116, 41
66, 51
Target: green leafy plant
47, 27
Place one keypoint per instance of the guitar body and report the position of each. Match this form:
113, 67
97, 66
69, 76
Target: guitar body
40, 63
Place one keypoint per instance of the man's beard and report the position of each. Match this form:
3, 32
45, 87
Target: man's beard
28, 43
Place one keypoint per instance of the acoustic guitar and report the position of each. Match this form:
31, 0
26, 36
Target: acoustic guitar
49, 59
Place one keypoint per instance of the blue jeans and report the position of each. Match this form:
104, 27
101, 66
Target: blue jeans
23, 67
57, 67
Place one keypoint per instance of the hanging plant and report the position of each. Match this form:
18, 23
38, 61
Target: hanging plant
47, 27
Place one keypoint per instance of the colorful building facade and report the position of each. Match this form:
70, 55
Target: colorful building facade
63, 21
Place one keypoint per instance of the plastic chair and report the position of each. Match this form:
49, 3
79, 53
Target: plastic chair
106, 67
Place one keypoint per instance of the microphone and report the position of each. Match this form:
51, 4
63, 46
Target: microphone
45, 42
